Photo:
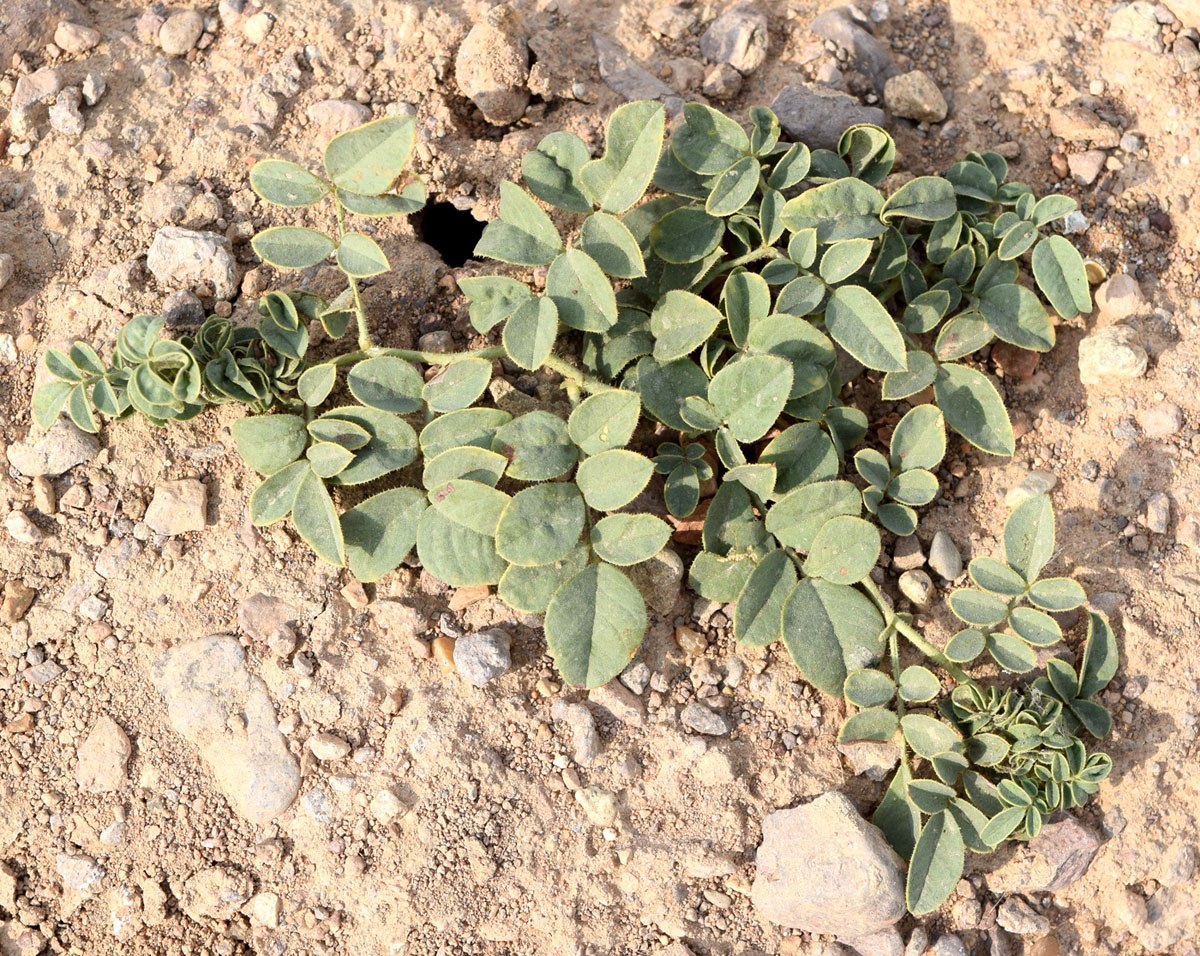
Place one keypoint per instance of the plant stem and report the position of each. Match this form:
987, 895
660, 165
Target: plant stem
360, 314
913, 635
894, 654
426, 358
588, 383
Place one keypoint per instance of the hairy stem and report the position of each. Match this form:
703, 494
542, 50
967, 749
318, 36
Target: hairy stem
426, 358
360, 313
913, 636
589, 383
894, 654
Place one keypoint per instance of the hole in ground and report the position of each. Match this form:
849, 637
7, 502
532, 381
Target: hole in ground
451, 231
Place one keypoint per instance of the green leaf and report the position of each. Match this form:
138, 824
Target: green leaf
843, 259
758, 615
613, 478
759, 480
978, 607
327, 458
86, 359
665, 385
291, 247
393, 444
80, 410
410, 199
48, 401
272, 500
974, 408
1017, 317
1057, 594
604, 420
733, 188
370, 158
928, 198
929, 796
750, 394
470, 426
1100, 657
1029, 537
919, 440
633, 141
708, 141
681, 490
1058, 270
746, 298
381, 531
830, 630
467, 461
1017, 240
608, 240
873, 723
796, 518
965, 646
929, 736
315, 384
388, 383
537, 446
268, 442
843, 209
859, 324
1035, 627
730, 524
916, 487
360, 256
594, 625
868, 688
1001, 826
530, 332
530, 589
810, 353
541, 524
896, 817
316, 519
996, 576
455, 554
918, 684
802, 453
493, 299
1011, 653
523, 235
802, 250
626, 539
552, 171
681, 322
582, 292
936, 865
457, 385
686, 235
844, 551
720, 579
473, 504
285, 184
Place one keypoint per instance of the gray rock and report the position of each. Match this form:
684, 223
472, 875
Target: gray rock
16, 939
79, 873
659, 579
1168, 917
261, 615
180, 32
483, 656
1132, 142
75, 38
817, 116
182, 310
1162, 421
1136, 24
907, 553
31, 24
492, 65
178, 507
64, 114
699, 718
204, 681
585, 741
331, 117
6, 273
870, 758
917, 586
199, 261
1037, 482
60, 449
1077, 124
854, 35
1113, 352
94, 87
1087, 166
918, 942
1120, 297
673, 21
1158, 513
216, 892
30, 98
624, 75
102, 757
915, 96
948, 945
822, 868
944, 556
167, 202
1187, 55
636, 677
722, 82
739, 37
1017, 916
599, 805
887, 942
1069, 847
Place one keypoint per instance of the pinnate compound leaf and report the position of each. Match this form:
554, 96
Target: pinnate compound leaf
541, 524
859, 323
285, 184
758, 615
1000, 827
733, 188
1057, 594
410, 199
708, 142
387, 383
844, 551
457, 385
268, 442
370, 158
613, 478
327, 458
1059, 272
1016, 316
582, 293
469, 426
830, 630
921, 372
381, 531
868, 688
315, 384
1011, 653
537, 446
393, 444
974, 408
746, 298
604, 420
48, 402
552, 171
316, 519
1034, 627
530, 332
749, 394
523, 235
996, 576
936, 865
608, 240
965, 646
291, 247
594, 625
929, 736
978, 608
665, 385
686, 235
632, 145
796, 518
918, 684
898, 819
720, 579
467, 461
627, 539
1029, 537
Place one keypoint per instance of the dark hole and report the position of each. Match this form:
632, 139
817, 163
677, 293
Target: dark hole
452, 232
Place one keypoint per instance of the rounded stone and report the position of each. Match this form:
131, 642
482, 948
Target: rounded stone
180, 32
915, 96
944, 556
1113, 352
492, 65
917, 586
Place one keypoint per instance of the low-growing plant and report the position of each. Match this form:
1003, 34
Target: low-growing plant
711, 314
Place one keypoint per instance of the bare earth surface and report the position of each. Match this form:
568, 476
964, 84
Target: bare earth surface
434, 817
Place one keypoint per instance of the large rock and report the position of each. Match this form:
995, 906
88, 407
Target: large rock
848, 30
1188, 12
51, 453
817, 115
30, 24
1113, 352
178, 506
205, 682
103, 757
739, 37
492, 66
915, 96
823, 869
624, 75
186, 259
31, 98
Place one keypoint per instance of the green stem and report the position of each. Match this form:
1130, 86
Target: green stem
914, 636
426, 358
588, 383
763, 252
894, 654
360, 313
